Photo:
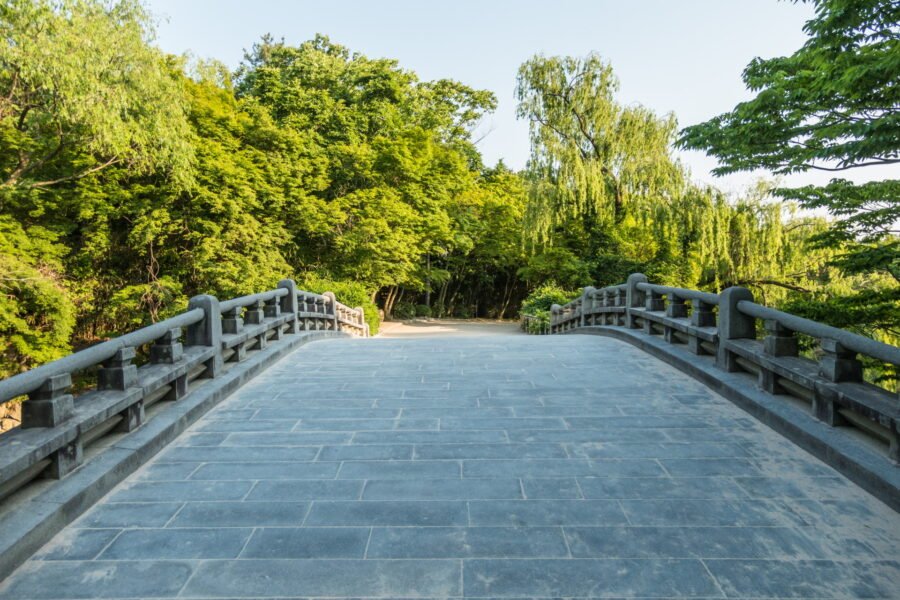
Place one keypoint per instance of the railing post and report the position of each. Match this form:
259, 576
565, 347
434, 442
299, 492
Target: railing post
289, 304
118, 373
333, 311
364, 327
554, 318
255, 315
587, 306
837, 364
49, 406
232, 323
168, 350
733, 325
634, 298
779, 341
207, 332
701, 316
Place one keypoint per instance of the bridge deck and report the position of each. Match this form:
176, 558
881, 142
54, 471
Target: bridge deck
481, 467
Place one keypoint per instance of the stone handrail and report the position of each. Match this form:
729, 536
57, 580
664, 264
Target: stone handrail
534, 325
57, 424
724, 327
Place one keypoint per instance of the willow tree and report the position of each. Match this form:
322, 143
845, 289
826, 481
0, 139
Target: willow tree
590, 155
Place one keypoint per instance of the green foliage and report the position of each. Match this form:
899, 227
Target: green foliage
545, 296
590, 154
423, 310
405, 311
831, 106
36, 310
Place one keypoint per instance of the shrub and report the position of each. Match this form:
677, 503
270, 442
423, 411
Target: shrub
545, 296
404, 311
423, 310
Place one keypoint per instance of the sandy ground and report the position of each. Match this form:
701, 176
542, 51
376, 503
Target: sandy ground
448, 327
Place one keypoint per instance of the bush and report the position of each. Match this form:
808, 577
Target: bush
404, 311
542, 298
423, 310
351, 293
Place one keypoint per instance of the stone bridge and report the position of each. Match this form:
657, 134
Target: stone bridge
670, 455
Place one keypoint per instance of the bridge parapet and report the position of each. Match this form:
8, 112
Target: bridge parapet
725, 328
59, 419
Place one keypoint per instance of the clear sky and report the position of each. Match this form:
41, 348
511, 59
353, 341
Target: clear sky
683, 56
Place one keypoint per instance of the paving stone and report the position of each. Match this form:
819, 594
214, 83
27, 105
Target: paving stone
113, 515
692, 542
442, 489
375, 513
166, 491
806, 579
466, 542
166, 471
684, 512
298, 578
289, 491
97, 579
405, 469
454, 423
221, 426
220, 454
451, 451
667, 450
660, 487
307, 542
295, 438
366, 452
551, 488
295, 413
265, 471
241, 514
560, 468
143, 544
77, 544
430, 437
545, 513
554, 578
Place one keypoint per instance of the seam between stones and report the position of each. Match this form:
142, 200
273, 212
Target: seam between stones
110, 543
368, 541
713, 577
174, 516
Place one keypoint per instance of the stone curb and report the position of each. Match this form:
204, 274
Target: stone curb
28, 526
868, 469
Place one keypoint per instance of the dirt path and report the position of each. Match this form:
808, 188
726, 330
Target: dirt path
448, 327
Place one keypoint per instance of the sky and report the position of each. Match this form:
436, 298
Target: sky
680, 56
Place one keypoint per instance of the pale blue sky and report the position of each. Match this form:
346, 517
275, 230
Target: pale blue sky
684, 56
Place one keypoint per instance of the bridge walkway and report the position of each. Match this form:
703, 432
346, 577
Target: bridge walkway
483, 467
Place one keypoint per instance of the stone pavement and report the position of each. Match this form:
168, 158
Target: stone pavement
483, 467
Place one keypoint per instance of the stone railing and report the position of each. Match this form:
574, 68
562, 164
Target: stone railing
535, 325
723, 328
57, 425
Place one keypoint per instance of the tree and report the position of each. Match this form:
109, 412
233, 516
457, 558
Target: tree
832, 106
81, 90
589, 154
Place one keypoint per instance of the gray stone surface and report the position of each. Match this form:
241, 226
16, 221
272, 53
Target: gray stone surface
486, 467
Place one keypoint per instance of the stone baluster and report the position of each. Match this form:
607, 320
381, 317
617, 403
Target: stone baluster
837, 364
167, 350
702, 315
233, 323
733, 325
272, 310
49, 406
207, 332
554, 318
289, 305
587, 306
676, 308
255, 315
654, 303
634, 298
117, 373
779, 341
